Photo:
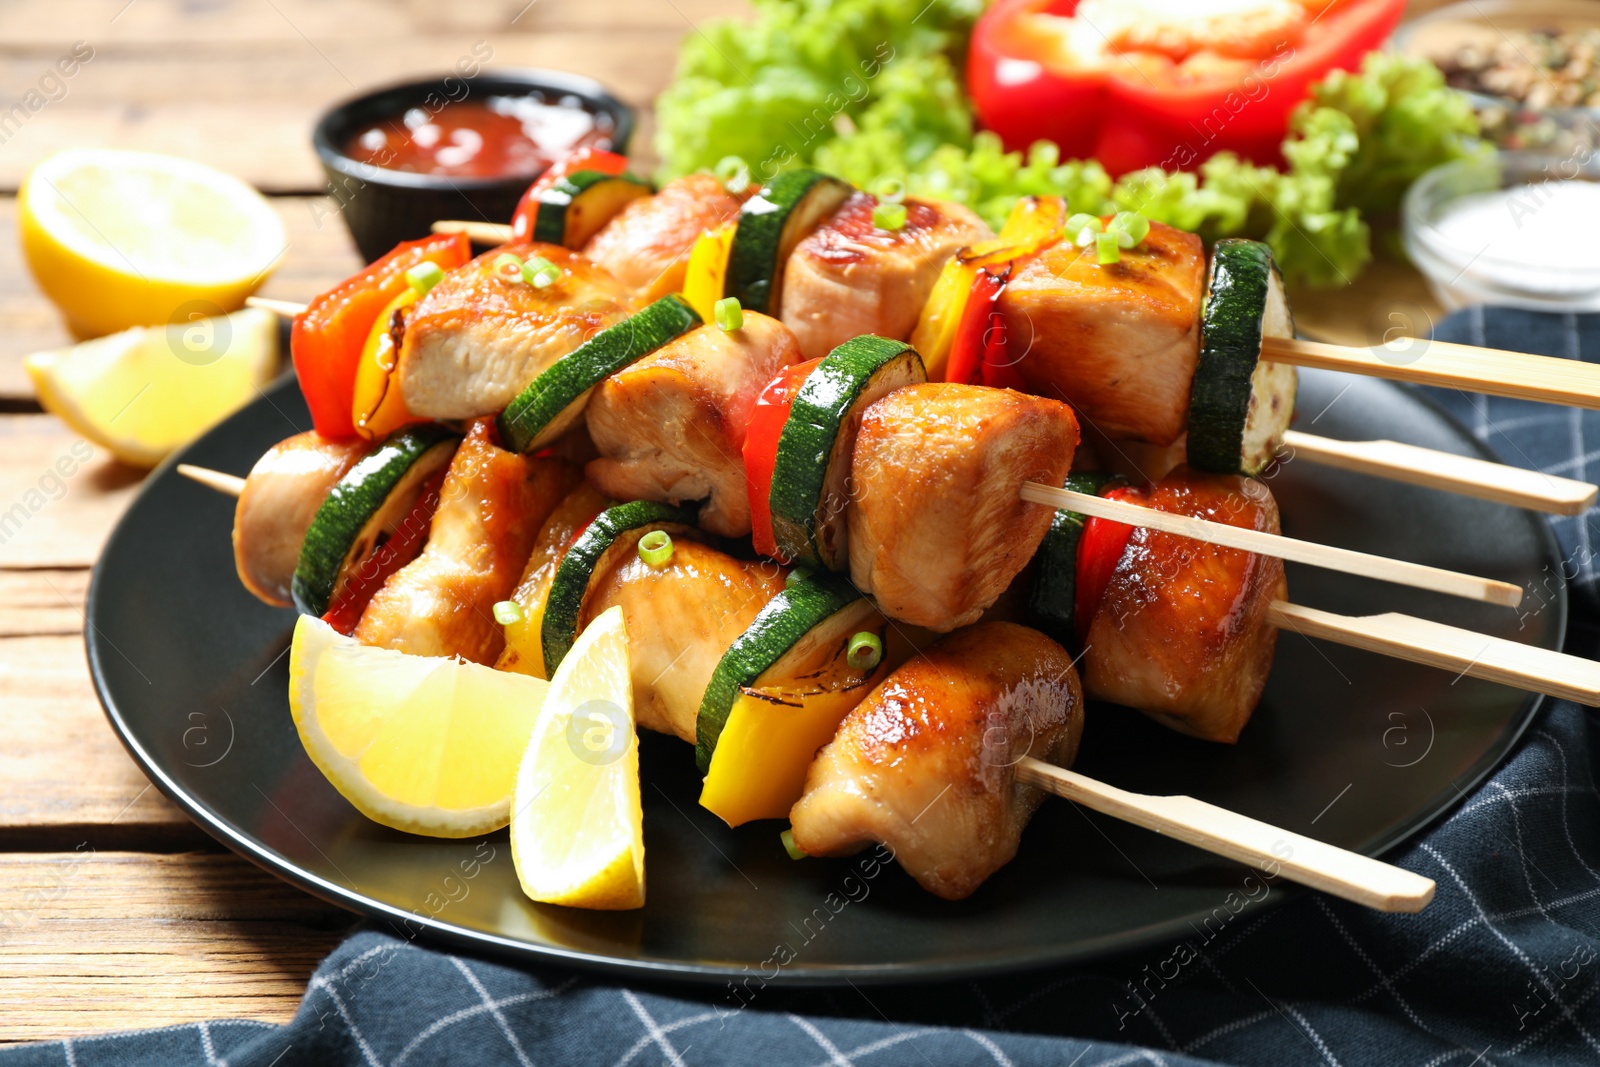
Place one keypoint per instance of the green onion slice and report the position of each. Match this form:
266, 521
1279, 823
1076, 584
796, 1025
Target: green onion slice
1105, 246
1132, 225
733, 173
655, 548
787, 837
799, 574
424, 276
891, 191
728, 313
508, 266
865, 651
507, 612
889, 216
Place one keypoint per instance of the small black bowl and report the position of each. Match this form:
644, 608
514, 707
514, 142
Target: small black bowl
384, 207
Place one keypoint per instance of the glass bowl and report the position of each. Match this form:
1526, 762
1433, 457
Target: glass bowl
1511, 228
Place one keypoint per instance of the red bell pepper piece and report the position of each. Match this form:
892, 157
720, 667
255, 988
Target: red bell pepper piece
980, 336
762, 432
396, 552
578, 159
328, 336
1101, 546
1131, 107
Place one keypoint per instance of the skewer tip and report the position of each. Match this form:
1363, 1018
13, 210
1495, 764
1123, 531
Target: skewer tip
227, 484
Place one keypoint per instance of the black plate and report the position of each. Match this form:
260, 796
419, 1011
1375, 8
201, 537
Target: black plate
1349, 747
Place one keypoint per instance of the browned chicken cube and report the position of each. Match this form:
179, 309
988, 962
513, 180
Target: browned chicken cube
477, 339
646, 247
491, 507
280, 498
1118, 342
848, 277
671, 427
937, 529
926, 764
681, 618
1182, 632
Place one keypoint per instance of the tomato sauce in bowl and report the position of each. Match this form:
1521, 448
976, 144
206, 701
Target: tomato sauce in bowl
497, 136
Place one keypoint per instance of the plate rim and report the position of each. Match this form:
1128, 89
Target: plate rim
705, 973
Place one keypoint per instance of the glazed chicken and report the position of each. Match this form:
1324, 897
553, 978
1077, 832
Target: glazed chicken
937, 529
1182, 631
849, 277
280, 498
926, 764
476, 340
671, 427
681, 618
646, 247
1118, 342
491, 506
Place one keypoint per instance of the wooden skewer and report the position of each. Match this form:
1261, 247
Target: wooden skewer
1445, 470
484, 233
1329, 557
1300, 859
228, 484
1479, 370
287, 308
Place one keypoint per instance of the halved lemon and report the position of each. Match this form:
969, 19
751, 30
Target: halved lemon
420, 743
144, 392
577, 829
119, 239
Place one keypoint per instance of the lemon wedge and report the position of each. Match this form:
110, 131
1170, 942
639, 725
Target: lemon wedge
119, 239
418, 743
144, 392
577, 830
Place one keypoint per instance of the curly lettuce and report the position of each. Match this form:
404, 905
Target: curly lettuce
870, 90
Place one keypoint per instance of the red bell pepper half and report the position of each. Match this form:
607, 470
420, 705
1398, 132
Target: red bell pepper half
1147, 98
578, 159
328, 335
1101, 545
762, 432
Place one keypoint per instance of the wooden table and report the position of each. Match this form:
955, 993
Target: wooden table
115, 910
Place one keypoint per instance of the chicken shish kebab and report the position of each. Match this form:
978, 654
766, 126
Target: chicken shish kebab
1111, 314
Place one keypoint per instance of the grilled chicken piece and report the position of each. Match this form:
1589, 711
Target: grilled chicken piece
671, 427
921, 767
280, 498
937, 530
681, 618
848, 277
476, 340
646, 247
491, 507
1182, 632
1118, 342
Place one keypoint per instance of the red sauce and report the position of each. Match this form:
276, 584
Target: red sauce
499, 136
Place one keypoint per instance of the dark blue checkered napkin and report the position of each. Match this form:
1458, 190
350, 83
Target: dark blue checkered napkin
1503, 968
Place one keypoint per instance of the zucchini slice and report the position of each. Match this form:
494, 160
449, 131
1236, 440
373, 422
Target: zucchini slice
771, 223
1240, 406
1055, 576
573, 209
552, 402
364, 506
614, 530
811, 474
796, 634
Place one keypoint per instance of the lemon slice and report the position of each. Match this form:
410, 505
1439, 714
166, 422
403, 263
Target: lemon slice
120, 239
420, 743
577, 830
144, 392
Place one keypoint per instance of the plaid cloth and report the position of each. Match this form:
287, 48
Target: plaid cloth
1503, 968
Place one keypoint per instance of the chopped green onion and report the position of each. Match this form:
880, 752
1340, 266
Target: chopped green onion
733, 173
508, 266
540, 272
655, 548
728, 313
891, 191
799, 574
424, 276
865, 651
1105, 246
507, 612
1132, 225
787, 837
889, 216
1081, 229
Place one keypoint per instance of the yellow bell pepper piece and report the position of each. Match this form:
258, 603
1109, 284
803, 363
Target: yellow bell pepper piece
707, 271
379, 409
